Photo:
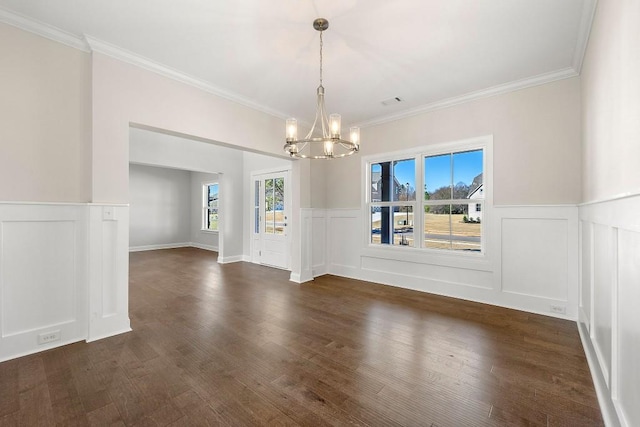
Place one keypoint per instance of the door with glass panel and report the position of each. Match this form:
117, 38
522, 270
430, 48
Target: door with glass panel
270, 219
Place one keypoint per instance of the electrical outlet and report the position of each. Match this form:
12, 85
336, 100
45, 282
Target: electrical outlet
560, 309
48, 337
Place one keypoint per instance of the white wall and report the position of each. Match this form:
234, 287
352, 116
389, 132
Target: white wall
609, 221
200, 238
45, 119
160, 207
611, 105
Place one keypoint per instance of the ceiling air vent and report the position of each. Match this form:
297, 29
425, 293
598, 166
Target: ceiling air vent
391, 101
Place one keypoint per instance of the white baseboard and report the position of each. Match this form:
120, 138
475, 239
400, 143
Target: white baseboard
607, 407
111, 334
203, 246
161, 246
173, 246
298, 278
42, 348
230, 259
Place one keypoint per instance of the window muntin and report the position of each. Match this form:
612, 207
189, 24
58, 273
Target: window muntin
448, 214
210, 214
393, 181
274, 206
256, 207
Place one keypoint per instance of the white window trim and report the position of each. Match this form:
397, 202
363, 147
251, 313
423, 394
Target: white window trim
205, 196
474, 260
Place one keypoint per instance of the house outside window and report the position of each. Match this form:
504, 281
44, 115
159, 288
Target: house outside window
210, 196
446, 215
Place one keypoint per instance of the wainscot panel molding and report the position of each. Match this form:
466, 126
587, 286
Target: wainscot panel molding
306, 247
609, 320
530, 261
108, 271
319, 242
60, 264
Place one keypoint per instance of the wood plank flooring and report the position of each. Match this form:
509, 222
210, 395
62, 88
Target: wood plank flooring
240, 345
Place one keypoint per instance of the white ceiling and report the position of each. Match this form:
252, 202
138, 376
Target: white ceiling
265, 53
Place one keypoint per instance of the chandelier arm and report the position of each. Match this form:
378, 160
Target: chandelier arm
318, 116
346, 144
323, 117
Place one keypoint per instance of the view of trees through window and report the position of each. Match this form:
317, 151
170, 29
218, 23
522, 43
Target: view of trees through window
393, 197
274, 205
453, 188
448, 212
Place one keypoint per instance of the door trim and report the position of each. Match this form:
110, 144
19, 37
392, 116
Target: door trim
253, 241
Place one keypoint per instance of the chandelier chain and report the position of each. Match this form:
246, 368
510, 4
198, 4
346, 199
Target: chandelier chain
320, 58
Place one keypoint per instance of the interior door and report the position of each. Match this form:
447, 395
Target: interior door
271, 215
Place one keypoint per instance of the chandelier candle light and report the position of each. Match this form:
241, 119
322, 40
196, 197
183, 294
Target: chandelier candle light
328, 144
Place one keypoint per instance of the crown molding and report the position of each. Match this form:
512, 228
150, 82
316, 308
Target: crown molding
129, 57
540, 79
584, 32
45, 30
91, 44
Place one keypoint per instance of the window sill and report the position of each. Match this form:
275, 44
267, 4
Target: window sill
209, 231
465, 260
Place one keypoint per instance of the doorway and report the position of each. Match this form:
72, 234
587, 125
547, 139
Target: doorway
271, 242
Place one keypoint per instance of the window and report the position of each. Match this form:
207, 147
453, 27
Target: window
446, 215
274, 206
451, 181
393, 201
210, 206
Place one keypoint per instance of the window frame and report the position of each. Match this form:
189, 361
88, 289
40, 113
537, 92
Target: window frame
418, 252
205, 207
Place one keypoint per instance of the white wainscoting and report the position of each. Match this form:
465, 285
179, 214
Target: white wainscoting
318, 242
530, 262
306, 235
609, 319
58, 264
108, 271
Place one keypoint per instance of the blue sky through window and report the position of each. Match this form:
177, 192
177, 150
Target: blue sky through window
437, 169
213, 192
405, 171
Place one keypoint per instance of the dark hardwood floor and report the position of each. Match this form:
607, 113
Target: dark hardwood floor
239, 345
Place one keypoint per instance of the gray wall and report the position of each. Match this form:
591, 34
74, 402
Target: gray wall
160, 203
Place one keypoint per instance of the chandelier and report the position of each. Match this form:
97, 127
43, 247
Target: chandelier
323, 140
